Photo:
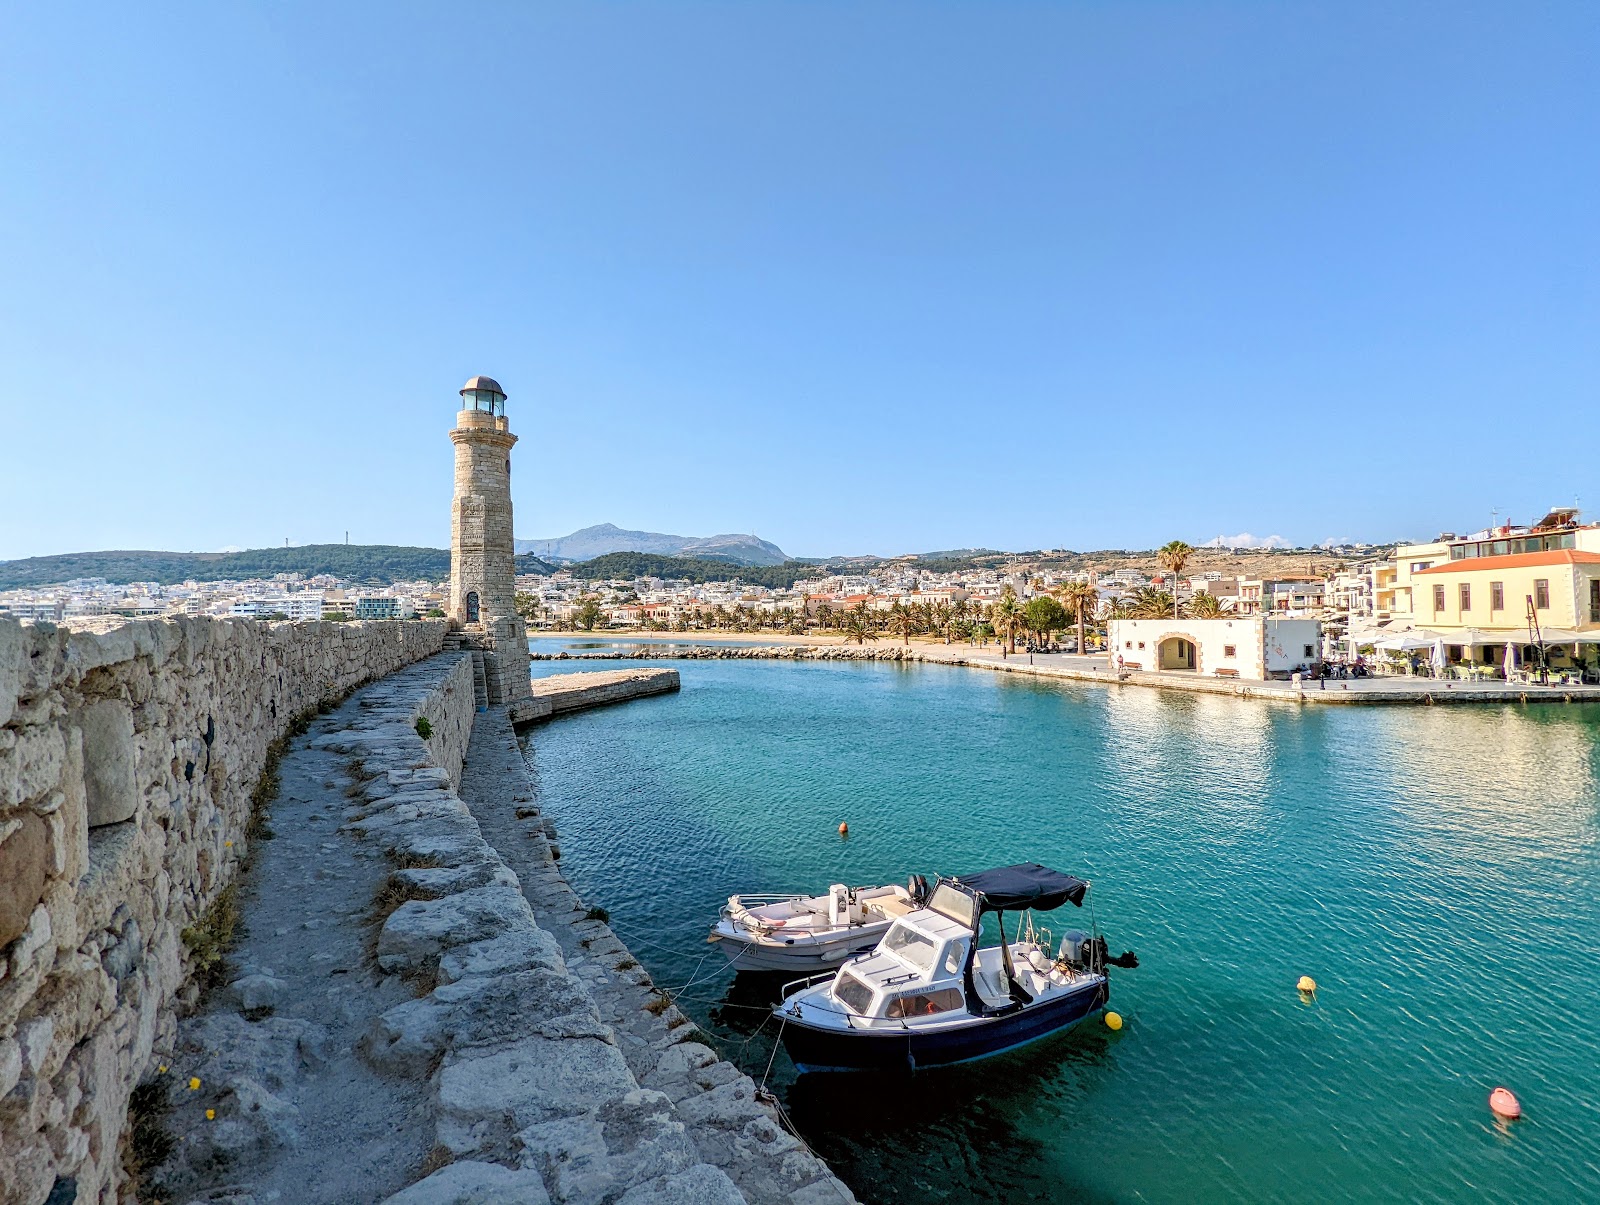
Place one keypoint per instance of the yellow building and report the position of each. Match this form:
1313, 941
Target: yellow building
1560, 587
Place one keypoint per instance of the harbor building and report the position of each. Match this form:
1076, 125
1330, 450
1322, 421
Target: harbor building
482, 596
1245, 646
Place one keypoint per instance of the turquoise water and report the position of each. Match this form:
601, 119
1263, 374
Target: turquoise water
1434, 869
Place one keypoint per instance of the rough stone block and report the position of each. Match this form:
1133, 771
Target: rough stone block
700, 1185
470, 1183
484, 1102
108, 762
416, 933
24, 866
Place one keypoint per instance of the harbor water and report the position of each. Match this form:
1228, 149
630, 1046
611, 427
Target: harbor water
1435, 870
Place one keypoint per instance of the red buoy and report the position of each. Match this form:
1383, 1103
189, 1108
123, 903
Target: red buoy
1504, 1104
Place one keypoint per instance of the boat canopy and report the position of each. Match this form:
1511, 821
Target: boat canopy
1025, 885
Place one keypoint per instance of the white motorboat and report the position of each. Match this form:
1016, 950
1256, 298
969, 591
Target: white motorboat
810, 932
929, 996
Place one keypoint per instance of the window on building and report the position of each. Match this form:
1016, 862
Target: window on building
1466, 597
1438, 598
1497, 596
1229, 651
1310, 650
1594, 601
1541, 594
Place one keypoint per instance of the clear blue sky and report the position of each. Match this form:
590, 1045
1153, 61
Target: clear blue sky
856, 277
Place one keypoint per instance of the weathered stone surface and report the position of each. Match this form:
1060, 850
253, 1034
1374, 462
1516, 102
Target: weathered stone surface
257, 991
522, 947
469, 1183
24, 866
417, 932
594, 1157
700, 1185
483, 1013
484, 1102
108, 762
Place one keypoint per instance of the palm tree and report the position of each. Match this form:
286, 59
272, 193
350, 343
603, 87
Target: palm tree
1080, 599
1006, 616
1174, 555
1147, 602
1204, 606
856, 626
903, 620
940, 618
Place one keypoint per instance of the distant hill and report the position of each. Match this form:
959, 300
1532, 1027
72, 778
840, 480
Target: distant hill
647, 564
605, 538
369, 564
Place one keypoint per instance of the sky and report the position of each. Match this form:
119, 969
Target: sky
859, 278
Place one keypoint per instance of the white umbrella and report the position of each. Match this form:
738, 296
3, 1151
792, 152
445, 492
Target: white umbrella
1511, 660
1437, 657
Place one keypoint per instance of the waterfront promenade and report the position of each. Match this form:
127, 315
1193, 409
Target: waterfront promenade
1358, 691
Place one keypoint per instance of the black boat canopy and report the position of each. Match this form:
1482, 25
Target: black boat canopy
1025, 885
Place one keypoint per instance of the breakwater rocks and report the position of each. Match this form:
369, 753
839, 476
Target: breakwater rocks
578, 692
776, 652
130, 755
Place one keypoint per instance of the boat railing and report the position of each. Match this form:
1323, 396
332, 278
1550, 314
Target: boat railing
800, 985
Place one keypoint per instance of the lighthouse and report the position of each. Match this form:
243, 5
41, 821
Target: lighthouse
483, 603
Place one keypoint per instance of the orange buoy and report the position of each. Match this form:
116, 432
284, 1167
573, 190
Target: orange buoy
843, 828
1504, 1104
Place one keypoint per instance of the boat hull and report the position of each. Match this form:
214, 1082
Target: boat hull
826, 1048
807, 957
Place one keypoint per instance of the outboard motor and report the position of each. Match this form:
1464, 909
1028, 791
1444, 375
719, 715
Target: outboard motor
1076, 950
917, 889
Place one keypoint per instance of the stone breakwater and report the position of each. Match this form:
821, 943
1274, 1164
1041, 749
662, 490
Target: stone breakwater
578, 692
129, 753
448, 1022
776, 652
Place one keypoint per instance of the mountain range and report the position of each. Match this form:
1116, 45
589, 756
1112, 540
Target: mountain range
595, 541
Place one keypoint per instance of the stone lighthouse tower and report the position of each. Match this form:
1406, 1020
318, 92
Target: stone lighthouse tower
482, 550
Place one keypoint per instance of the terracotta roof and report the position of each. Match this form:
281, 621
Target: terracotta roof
1521, 560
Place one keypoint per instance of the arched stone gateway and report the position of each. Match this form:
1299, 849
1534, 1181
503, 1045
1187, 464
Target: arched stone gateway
1178, 651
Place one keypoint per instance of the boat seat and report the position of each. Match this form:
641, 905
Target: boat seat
891, 907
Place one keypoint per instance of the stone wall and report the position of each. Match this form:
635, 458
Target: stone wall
129, 752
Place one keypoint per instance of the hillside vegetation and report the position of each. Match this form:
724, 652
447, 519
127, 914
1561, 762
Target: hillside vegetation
372, 564
694, 569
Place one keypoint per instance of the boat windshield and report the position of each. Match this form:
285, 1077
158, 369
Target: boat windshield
911, 947
954, 903
852, 993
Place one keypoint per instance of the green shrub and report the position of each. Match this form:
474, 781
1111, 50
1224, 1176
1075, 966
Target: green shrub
424, 729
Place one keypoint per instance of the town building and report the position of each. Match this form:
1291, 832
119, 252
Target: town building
1246, 646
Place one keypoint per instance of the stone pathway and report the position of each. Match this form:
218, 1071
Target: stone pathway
299, 1114
730, 1128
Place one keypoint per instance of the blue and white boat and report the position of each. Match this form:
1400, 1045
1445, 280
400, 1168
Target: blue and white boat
929, 996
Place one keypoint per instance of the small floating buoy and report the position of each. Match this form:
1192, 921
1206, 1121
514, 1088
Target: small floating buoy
843, 828
1504, 1104
1307, 984
1113, 1020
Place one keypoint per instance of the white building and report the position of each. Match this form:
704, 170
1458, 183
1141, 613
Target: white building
1247, 646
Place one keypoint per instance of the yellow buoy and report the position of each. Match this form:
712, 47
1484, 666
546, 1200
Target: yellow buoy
1113, 1020
843, 828
1307, 984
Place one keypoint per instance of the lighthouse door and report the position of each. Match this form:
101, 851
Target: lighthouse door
472, 606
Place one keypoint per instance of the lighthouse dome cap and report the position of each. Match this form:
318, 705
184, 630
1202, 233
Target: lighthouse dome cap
483, 383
